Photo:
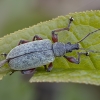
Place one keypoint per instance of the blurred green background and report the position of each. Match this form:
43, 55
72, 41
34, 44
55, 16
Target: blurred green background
18, 14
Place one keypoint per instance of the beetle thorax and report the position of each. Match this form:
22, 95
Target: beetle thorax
59, 49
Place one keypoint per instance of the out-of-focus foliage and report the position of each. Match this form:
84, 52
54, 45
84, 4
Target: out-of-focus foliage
14, 88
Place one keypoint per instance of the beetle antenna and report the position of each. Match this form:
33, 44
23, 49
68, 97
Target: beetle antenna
88, 35
3, 62
93, 51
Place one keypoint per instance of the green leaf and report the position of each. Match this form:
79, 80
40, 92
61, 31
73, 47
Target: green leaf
88, 71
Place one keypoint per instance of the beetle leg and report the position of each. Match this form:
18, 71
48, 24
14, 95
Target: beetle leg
13, 72
50, 66
22, 42
76, 60
36, 37
29, 71
45, 67
54, 36
4, 54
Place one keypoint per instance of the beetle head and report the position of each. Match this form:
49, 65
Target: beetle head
70, 47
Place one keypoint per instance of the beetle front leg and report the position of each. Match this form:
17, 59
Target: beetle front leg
36, 37
22, 42
76, 60
54, 36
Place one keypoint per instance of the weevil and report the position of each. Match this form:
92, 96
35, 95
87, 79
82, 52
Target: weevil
27, 56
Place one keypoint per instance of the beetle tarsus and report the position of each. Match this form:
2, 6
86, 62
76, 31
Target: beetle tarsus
87, 54
70, 21
4, 54
13, 72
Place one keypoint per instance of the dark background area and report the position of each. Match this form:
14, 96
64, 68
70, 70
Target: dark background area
18, 14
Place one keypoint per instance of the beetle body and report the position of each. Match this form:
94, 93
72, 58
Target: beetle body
31, 55
27, 56
37, 53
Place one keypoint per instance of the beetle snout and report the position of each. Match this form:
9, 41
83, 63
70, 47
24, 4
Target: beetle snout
77, 46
